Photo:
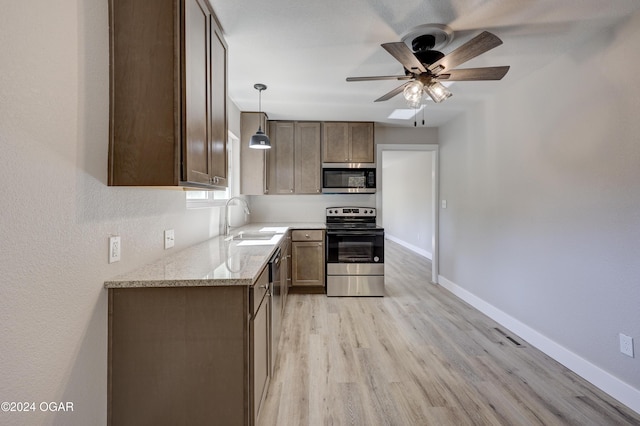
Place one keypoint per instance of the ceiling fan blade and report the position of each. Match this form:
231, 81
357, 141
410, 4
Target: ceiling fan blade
381, 77
405, 56
470, 74
391, 94
474, 47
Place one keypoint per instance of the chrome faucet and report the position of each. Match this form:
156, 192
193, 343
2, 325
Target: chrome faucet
227, 226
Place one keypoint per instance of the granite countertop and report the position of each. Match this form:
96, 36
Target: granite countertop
215, 262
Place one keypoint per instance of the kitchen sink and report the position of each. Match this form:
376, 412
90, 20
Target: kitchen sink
253, 236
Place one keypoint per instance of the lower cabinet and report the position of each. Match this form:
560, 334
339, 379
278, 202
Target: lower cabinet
286, 269
307, 260
260, 335
188, 355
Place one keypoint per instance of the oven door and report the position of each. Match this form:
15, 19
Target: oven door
352, 247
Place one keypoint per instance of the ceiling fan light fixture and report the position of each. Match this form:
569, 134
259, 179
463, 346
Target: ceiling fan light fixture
413, 93
260, 140
437, 91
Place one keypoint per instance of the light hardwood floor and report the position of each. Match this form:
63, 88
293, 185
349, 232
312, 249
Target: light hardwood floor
419, 356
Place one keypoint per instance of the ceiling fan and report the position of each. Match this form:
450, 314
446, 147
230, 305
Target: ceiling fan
426, 68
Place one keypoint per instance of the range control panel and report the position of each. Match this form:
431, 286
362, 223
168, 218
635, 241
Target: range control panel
351, 212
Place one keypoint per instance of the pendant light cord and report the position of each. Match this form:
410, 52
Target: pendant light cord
260, 108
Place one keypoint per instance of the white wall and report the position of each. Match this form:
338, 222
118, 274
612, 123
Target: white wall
543, 217
407, 205
57, 211
406, 135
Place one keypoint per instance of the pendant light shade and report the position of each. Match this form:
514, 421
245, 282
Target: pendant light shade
260, 140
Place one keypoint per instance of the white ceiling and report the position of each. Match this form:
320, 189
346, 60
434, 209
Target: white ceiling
303, 50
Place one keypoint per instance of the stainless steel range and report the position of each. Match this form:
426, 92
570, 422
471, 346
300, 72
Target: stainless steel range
355, 252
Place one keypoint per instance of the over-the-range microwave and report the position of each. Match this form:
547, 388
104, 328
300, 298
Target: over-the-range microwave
348, 178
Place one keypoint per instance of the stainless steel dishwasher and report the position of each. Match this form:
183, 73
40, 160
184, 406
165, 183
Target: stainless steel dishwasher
275, 282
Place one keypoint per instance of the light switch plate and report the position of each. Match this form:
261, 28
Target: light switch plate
169, 239
444, 204
114, 249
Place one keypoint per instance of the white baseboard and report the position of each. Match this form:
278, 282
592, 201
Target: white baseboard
413, 248
613, 386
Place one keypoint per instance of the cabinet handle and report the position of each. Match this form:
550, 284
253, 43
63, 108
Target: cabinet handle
306, 235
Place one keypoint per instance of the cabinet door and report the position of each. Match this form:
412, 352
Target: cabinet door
282, 157
285, 270
218, 107
307, 158
254, 163
307, 267
361, 142
142, 94
261, 367
335, 142
196, 62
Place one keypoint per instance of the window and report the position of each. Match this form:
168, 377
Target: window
200, 199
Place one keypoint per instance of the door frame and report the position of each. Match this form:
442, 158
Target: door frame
433, 148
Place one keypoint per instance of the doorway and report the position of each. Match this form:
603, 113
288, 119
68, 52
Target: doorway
406, 187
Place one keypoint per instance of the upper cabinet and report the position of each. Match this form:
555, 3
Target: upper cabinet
344, 142
294, 165
168, 95
307, 173
254, 163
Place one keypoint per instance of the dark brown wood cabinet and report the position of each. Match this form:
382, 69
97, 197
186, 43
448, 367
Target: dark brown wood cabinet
254, 163
281, 156
307, 259
286, 268
261, 362
168, 95
188, 355
307, 171
295, 157
347, 142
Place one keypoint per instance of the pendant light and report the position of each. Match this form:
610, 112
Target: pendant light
260, 140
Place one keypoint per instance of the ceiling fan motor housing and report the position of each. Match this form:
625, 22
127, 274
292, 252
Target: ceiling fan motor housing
422, 46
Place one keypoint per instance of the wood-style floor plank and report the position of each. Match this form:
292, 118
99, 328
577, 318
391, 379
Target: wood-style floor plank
419, 356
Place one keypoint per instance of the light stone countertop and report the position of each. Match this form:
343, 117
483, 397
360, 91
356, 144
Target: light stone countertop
214, 262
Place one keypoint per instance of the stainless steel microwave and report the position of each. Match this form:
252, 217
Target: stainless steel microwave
348, 178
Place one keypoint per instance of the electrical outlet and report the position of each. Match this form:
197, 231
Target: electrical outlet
114, 249
626, 345
169, 239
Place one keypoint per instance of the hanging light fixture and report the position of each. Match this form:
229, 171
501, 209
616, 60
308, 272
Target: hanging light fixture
260, 140
437, 91
413, 93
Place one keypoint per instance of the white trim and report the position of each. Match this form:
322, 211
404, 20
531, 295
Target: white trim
608, 383
434, 192
413, 248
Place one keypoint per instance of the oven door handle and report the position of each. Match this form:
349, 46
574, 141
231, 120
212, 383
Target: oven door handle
352, 233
